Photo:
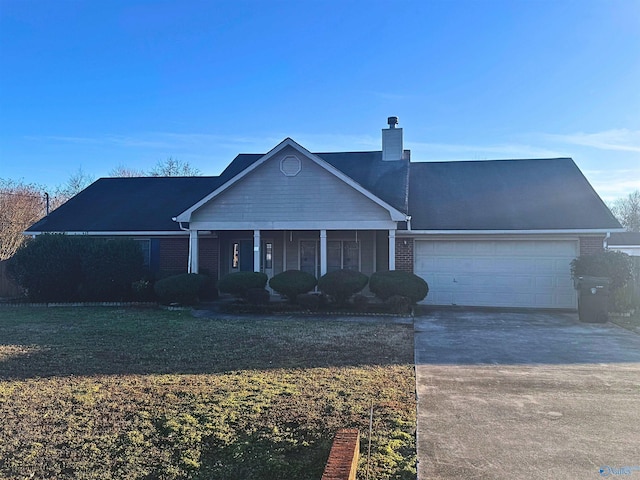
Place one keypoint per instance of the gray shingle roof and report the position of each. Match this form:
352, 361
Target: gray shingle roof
624, 239
543, 194
128, 204
504, 195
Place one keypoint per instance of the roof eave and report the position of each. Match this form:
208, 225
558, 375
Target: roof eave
582, 231
112, 233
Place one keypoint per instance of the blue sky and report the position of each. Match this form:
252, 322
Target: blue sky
99, 83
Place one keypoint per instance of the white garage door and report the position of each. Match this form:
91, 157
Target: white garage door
498, 273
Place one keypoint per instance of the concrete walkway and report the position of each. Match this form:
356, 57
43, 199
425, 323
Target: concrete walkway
525, 395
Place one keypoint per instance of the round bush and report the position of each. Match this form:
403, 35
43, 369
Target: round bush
292, 283
360, 302
238, 283
309, 301
616, 266
183, 289
341, 285
398, 304
257, 296
396, 282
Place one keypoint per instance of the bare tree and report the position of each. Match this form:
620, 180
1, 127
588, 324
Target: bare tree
122, 171
172, 167
77, 182
627, 211
21, 205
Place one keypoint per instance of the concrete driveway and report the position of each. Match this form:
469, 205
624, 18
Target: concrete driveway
524, 396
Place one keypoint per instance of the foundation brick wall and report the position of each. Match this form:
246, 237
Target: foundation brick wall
343, 458
404, 254
591, 245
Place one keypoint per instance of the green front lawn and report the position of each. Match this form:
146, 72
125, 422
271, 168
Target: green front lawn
630, 323
106, 393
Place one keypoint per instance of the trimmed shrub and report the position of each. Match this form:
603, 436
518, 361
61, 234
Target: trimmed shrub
616, 266
398, 304
47, 268
209, 290
183, 289
109, 268
292, 283
142, 291
62, 268
341, 285
360, 302
396, 282
257, 296
309, 301
238, 283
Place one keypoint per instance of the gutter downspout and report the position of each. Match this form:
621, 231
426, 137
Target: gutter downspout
408, 223
605, 244
189, 256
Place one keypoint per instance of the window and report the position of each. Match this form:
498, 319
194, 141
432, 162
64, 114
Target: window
268, 255
145, 247
235, 261
334, 256
343, 254
290, 166
351, 255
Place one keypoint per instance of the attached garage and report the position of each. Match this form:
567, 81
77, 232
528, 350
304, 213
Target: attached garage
498, 273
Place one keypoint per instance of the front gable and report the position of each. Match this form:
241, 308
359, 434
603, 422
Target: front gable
290, 188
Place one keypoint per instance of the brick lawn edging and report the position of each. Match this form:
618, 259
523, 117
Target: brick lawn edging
343, 458
80, 304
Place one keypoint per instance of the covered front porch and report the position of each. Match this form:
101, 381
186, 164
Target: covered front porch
314, 251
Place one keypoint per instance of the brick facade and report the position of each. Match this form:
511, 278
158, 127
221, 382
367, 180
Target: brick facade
174, 255
591, 245
404, 254
208, 250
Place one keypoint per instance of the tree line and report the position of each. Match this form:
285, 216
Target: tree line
22, 203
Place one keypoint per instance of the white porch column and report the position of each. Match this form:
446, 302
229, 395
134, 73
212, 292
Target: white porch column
193, 252
284, 250
392, 249
323, 252
256, 250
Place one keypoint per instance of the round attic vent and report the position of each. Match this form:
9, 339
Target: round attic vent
290, 166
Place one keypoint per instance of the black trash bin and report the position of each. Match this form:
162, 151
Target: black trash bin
593, 299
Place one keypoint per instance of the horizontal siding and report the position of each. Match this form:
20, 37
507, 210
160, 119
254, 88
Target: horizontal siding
267, 195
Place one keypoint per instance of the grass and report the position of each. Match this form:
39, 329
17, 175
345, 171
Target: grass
108, 393
631, 322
